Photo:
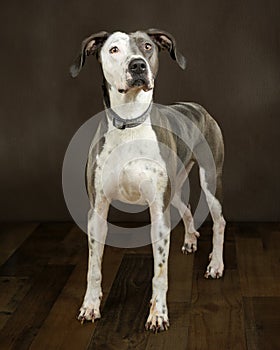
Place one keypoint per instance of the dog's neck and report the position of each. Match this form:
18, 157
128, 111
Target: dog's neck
128, 105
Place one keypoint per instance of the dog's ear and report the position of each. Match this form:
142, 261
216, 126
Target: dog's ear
166, 41
90, 46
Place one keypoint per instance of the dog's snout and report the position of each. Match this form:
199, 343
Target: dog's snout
137, 66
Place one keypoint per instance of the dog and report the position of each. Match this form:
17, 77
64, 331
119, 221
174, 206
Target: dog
143, 172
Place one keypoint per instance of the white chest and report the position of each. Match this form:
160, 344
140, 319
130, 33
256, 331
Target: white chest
130, 167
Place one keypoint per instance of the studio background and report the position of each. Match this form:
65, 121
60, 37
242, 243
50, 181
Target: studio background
233, 53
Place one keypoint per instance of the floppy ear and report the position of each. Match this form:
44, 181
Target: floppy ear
166, 41
90, 46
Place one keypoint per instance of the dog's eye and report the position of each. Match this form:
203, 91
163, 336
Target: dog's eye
114, 49
148, 46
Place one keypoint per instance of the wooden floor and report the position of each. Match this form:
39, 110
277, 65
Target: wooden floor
43, 274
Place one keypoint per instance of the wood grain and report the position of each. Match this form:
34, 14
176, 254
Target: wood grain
258, 264
12, 235
13, 290
262, 323
216, 316
69, 333
36, 250
127, 306
21, 328
43, 280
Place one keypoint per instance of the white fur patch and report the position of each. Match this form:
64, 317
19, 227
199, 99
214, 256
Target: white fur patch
130, 167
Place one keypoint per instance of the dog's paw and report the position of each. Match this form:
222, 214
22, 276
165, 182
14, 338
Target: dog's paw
215, 269
88, 313
158, 317
190, 244
157, 323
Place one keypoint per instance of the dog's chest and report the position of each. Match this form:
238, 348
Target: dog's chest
130, 167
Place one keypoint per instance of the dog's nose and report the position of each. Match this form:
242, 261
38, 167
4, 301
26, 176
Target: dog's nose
137, 66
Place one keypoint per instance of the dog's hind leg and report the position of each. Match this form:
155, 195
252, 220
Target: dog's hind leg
97, 232
191, 235
216, 267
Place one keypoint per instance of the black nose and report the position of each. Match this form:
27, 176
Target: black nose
137, 66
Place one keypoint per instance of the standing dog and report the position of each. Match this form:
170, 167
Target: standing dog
131, 164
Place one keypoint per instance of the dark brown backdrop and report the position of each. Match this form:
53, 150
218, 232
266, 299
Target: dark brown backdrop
233, 52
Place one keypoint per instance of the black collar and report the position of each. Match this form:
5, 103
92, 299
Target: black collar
121, 123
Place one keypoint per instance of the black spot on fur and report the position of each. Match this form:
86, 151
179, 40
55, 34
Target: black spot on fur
160, 249
165, 241
160, 264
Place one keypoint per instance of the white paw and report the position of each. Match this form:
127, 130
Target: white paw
157, 322
88, 313
158, 317
215, 269
190, 244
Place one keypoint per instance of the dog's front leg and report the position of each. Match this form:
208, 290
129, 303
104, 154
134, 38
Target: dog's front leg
97, 232
160, 234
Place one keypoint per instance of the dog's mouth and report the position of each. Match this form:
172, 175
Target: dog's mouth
137, 83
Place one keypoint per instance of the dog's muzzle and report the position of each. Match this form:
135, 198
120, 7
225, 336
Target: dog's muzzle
139, 72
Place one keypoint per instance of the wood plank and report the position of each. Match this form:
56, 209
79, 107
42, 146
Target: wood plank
36, 250
12, 235
127, 306
258, 269
61, 330
216, 316
250, 324
262, 322
13, 290
270, 234
71, 248
111, 263
22, 327
214, 319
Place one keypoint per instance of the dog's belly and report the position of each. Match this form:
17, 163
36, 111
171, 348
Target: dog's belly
130, 168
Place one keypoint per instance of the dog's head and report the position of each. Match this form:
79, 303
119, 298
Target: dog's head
129, 61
